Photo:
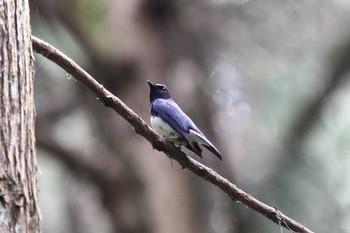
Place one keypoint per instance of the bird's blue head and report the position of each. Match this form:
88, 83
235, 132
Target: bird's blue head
158, 91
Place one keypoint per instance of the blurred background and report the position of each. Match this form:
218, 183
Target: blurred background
266, 81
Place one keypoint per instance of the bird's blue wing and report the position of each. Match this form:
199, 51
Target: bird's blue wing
171, 113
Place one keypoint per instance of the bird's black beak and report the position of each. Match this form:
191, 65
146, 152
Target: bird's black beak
151, 85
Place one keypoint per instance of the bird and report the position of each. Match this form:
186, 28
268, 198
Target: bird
168, 120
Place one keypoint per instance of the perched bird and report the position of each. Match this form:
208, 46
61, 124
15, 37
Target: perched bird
171, 122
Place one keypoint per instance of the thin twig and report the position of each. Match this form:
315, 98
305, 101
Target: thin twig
159, 143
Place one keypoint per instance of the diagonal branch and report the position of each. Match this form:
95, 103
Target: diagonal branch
159, 143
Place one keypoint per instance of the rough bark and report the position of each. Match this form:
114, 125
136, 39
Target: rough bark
18, 190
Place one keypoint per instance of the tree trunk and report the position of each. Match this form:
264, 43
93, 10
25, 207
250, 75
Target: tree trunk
18, 191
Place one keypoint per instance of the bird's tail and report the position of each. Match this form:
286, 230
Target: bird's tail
195, 148
214, 151
201, 139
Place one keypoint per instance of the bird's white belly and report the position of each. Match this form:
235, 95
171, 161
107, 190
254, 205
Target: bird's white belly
165, 130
